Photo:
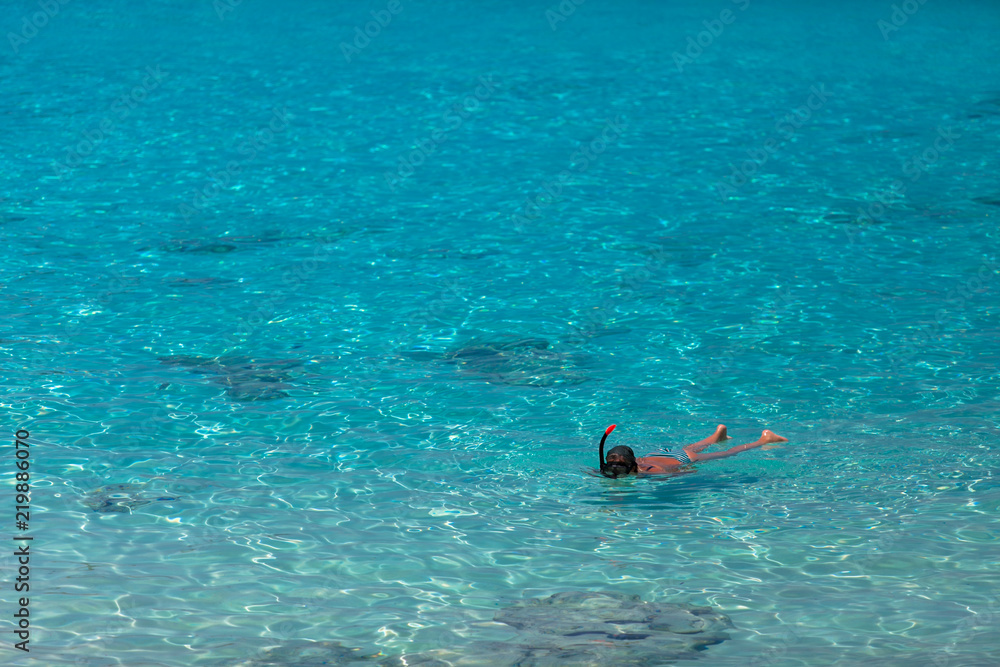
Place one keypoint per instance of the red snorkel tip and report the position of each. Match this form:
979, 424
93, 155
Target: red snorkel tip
610, 429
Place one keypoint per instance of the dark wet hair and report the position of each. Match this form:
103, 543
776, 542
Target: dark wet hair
617, 469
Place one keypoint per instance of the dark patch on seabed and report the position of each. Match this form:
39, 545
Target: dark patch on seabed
245, 378
199, 282
227, 244
518, 362
570, 629
442, 253
839, 218
989, 200
983, 108
224, 244
198, 247
592, 628
120, 498
300, 653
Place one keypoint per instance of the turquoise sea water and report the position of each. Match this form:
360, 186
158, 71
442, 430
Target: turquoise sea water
315, 342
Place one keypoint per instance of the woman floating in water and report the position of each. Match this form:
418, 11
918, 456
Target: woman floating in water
621, 460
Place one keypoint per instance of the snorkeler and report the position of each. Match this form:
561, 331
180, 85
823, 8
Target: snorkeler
621, 460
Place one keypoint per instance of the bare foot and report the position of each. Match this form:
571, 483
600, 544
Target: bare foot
719, 436
770, 436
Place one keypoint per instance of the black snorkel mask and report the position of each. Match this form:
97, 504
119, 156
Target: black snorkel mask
617, 468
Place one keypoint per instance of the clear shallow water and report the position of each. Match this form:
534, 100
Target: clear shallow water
386, 494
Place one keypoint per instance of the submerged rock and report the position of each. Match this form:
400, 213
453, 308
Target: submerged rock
245, 379
199, 247
572, 629
119, 498
519, 362
442, 253
989, 200
199, 282
525, 362
227, 244
588, 628
987, 107
310, 654
243, 388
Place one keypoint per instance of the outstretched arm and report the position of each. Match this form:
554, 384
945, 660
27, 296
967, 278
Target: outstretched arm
766, 438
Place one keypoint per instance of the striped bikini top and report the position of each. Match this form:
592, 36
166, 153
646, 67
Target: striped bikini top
679, 454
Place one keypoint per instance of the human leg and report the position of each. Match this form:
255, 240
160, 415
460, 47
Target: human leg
719, 435
766, 438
